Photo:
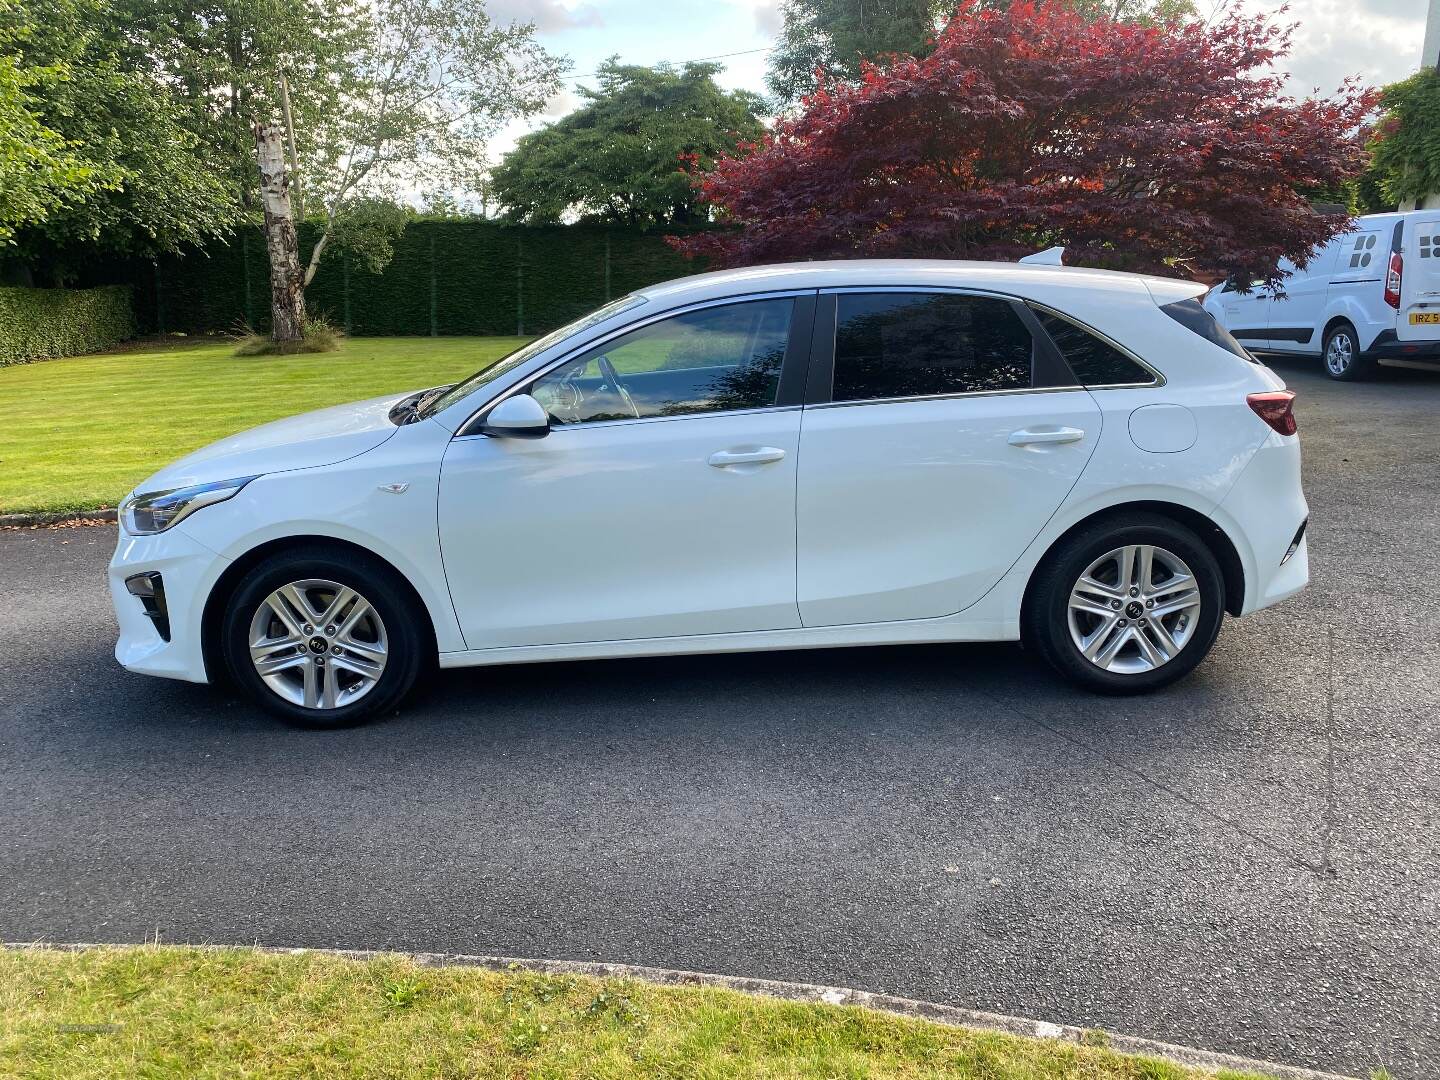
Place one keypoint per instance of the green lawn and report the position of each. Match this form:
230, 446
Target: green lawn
177, 1012
77, 434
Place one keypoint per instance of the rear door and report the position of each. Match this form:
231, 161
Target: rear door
939, 435
1420, 281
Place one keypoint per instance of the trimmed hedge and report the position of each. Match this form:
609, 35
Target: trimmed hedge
447, 277
37, 324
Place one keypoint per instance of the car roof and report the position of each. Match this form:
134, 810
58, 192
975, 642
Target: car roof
1030, 280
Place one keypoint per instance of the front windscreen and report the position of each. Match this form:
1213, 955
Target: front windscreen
511, 361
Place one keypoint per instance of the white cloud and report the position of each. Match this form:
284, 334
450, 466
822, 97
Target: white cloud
547, 15
768, 20
1378, 40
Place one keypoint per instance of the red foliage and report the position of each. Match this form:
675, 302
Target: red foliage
1166, 149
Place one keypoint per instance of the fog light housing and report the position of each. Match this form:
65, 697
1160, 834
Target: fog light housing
149, 587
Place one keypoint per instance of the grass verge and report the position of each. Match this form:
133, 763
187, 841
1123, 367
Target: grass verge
79, 433
175, 1011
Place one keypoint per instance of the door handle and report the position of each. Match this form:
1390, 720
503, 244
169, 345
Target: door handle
723, 458
1027, 437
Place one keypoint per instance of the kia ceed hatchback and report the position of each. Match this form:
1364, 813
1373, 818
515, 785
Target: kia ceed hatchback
781, 457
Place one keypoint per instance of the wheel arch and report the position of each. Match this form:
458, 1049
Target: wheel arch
1232, 568
1334, 321
229, 580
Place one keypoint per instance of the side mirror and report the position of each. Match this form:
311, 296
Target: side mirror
518, 417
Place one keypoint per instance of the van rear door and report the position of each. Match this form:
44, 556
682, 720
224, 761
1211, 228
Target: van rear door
1420, 282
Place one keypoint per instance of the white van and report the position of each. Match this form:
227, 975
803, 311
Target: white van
1368, 295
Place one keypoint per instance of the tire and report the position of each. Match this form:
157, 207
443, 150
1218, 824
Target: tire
1340, 353
1049, 626
337, 674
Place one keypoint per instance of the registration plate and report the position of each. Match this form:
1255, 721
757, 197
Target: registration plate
1424, 318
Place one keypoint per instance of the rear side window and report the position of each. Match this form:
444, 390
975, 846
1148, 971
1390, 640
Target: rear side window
1189, 314
896, 345
1094, 362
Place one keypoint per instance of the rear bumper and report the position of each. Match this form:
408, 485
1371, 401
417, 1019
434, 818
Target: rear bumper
1389, 347
1264, 511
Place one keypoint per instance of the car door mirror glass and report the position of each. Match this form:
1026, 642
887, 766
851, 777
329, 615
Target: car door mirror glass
517, 417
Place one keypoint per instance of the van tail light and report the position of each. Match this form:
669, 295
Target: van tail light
1276, 408
1392, 280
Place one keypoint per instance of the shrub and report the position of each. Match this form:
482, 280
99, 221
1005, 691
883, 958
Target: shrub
1407, 139
39, 324
320, 336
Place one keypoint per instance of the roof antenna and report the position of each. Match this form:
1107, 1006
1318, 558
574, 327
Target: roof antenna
1049, 257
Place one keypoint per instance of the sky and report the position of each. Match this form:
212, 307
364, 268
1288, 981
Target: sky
1379, 40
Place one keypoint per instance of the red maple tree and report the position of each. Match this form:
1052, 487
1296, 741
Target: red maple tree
1167, 149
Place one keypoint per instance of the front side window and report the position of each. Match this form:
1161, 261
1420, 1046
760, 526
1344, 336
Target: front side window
511, 361
1095, 362
711, 360
896, 345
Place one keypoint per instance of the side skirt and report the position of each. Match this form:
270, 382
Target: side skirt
918, 632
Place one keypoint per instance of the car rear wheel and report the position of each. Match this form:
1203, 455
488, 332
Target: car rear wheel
323, 640
1127, 605
1341, 351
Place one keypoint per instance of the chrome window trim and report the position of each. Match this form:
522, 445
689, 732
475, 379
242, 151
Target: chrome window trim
948, 397
1159, 380
630, 421
463, 431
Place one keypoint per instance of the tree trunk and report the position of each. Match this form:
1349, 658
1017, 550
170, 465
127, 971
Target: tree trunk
287, 289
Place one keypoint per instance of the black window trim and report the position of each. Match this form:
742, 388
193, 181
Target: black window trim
819, 390
788, 396
1159, 376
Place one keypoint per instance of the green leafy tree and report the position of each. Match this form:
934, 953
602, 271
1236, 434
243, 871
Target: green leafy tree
223, 62
619, 156
837, 36
371, 101
1407, 139
40, 173
428, 85
155, 186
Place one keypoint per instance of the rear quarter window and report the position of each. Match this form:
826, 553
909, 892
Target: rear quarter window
1094, 361
1191, 315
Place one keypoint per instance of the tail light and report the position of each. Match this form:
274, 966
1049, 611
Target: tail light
1276, 408
1392, 280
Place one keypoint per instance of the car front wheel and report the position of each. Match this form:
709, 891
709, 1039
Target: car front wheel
323, 639
1126, 606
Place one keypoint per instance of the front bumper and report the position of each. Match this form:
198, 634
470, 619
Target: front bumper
188, 570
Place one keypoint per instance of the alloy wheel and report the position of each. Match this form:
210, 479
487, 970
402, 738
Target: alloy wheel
1339, 354
318, 644
1134, 609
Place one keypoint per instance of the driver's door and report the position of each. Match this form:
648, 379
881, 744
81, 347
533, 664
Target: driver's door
661, 503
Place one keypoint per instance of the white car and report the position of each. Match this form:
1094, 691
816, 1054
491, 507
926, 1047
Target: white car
1367, 296
780, 457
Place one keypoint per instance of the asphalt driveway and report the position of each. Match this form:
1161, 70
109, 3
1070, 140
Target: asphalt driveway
1248, 862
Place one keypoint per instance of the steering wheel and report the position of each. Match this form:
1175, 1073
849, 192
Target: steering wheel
612, 381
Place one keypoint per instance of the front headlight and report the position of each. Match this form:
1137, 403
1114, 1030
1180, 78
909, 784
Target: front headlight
150, 512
